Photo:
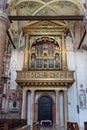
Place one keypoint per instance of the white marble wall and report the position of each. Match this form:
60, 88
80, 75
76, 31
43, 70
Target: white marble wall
81, 72
77, 61
16, 63
13, 68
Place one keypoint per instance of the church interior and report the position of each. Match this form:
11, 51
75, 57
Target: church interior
43, 64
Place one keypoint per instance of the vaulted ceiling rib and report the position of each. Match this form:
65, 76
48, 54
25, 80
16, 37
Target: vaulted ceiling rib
59, 7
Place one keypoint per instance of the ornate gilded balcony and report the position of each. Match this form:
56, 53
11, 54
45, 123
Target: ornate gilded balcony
45, 78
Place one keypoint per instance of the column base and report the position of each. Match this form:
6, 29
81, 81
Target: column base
57, 126
31, 127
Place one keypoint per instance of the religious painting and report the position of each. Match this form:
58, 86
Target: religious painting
82, 98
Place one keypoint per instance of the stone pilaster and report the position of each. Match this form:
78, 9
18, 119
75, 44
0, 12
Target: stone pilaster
24, 105
4, 24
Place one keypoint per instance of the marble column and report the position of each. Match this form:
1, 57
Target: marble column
4, 24
65, 108
32, 108
24, 104
57, 108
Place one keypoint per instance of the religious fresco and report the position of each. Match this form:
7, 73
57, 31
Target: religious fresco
82, 99
13, 103
13, 66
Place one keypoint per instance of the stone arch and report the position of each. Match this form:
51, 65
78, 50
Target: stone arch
45, 94
50, 39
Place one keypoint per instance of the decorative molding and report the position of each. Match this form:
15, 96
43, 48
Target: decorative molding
45, 78
45, 27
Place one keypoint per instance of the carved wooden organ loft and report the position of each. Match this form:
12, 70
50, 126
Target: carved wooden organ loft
45, 62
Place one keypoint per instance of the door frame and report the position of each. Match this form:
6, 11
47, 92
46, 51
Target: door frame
53, 108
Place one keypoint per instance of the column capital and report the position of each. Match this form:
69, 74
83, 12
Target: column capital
65, 90
24, 90
4, 18
32, 91
57, 91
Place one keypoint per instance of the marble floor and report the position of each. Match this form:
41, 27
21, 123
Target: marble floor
51, 128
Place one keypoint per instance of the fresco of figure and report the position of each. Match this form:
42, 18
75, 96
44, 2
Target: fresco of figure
82, 98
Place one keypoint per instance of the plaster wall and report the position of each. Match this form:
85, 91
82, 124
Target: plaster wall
77, 93
13, 68
81, 74
16, 63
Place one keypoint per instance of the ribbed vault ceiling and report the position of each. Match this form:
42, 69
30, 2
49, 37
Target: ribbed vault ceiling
45, 7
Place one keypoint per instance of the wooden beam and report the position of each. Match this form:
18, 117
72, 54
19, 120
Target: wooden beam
62, 17
82, 38
11, 39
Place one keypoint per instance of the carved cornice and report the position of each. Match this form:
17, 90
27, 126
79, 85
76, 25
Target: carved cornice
45, 28
45, 84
